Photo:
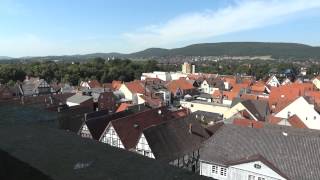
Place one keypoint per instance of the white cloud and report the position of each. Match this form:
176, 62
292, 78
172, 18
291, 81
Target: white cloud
243, 15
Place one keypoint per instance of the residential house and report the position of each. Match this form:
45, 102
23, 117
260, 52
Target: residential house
316, 82
5, 93
132, 107
125, 132
131, 89
207, 118
204, 97
281, 96
96, 122
269, 153
273, 81
300, 111
259, 88
90, 84
67, 88
210, 85
80, 100
32, 86
176, 142
196, 105
107, 101
115, 85
286, 81
257, 110
180, 88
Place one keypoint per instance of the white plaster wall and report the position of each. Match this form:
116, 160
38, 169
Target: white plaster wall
127, 93
304, 111
70, 104
208, 107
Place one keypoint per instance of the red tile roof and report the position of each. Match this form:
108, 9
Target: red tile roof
94, 84
181, 83
258, 87
249, 96
180, 113
296, 122
116, 85
314, 95
274, 120
123, 107
151, 101
248, 123
230, 95
136, 87
282, 96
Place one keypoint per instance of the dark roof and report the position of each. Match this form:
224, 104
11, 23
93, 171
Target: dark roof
98, 123
44, 153
204, 95
130, 128
295, 152
78, 98
217, 83
72, 118
260, 158
259, 108
207, 116
173, 139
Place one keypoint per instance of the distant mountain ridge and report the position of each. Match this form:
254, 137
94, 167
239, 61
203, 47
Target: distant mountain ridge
5, 57
275, 50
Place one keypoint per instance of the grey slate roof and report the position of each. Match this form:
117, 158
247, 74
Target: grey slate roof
172, 139
217, 83
59, 155
78, 98
296, 155
207, 116
259, 108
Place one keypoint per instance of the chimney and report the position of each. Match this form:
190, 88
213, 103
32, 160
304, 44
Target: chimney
190, 128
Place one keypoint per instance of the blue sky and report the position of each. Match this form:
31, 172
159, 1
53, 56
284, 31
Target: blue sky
43, 27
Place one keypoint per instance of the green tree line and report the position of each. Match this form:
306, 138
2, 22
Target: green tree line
98, 68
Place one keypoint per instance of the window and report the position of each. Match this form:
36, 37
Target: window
147, 153
214, 169
261, 178
223, 171
107, 140
251, 177
191, 105
115, 142
139, 151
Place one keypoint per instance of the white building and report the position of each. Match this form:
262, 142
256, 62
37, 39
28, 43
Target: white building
164, 76
110, 136
316, 82
205, 106
143, 147
268, 153
251, 169
305, 112
210, 85
273, 81
186, 68
77, 100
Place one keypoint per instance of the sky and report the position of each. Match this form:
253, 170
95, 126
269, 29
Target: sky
66, 27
